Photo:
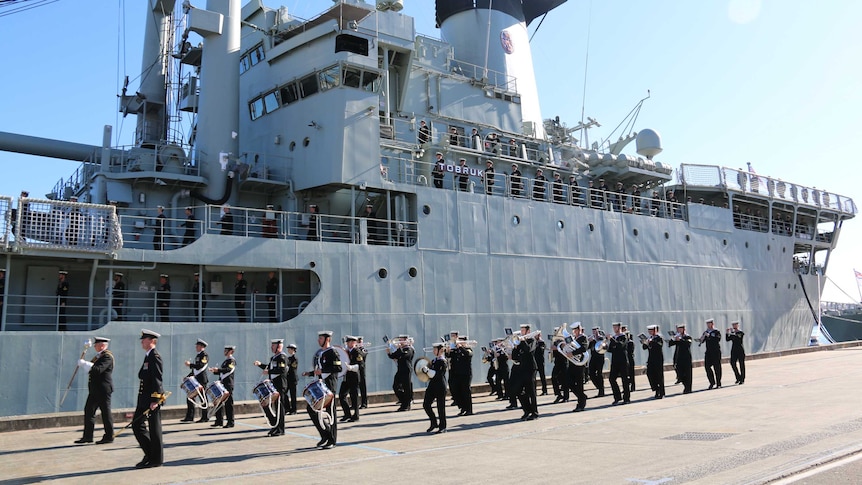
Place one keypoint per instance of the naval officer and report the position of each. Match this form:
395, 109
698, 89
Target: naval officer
101, 386
150, 397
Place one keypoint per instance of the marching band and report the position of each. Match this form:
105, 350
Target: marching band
576, 357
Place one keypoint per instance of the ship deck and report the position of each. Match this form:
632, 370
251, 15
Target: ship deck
796, 413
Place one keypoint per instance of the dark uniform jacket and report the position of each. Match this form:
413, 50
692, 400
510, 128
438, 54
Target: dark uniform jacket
617, 346
522, 356
292, 365
118, 294
330, 363
460, 360
404, 356
363, 356
438, 382
226, 372
736, 342
240, 288
63, 290
199, 368
277, 368
683, 350
164, 295
352, 378
150, 375
539, 353
653, 346
271, 288
100, 380
713, 342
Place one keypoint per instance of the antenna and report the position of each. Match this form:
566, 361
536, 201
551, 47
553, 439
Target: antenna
586, 66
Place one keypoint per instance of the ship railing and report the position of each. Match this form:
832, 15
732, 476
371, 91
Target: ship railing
262, 166
45, 313
6, 212
741, 181
162, 234
66, 226
488, 77
750, 222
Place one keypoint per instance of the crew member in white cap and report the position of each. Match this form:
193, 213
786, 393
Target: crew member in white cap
62, 299
712, 357
150, 398
276, 370
575, 375
225, 373
159, 229
292, 379
737, 351
524, 375
199, 372
655, 360
436, 390
597, 361
439, 170
682, 342
101, 385
619, 365
118, 296
350, 383
163, 298
402, 384
327, 365
190, 225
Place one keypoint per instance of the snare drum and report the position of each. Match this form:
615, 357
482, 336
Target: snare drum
217, 394
191, 386
317, 395
265, 392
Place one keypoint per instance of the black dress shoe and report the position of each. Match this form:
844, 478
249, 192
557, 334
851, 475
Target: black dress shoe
322, 442
327, 446
105, 440
511, 406
711, 386
524, 416
143, 463
430, 429
152, 465
277, 432
558, 400
441, 430
202, 420
616, 403
364, 406
718, 385
532, 416
187, 420
354, 418
228, 425
216, 424
83, 440
344, 418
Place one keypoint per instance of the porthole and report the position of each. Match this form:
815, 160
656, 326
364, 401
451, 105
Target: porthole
724, 242
560, 225
635, 232
412, 272
592, 228
768, 247
776, 286
312, 264
426, 209
794, 286
306, 141
687, 238
292, 146
516, 220
788, 286
783, 250
746, 244
666, 236
382, 273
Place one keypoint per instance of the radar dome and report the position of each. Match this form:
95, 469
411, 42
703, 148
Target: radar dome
648, 143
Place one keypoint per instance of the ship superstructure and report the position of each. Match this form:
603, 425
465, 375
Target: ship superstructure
311, 155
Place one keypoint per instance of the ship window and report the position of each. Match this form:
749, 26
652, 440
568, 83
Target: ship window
256, 108
561, 225
370, 81
776, 286
352, 77
635, 232
289, 93
308, 85
256, 55
244, 64
292, 146
382, 273
330, 78
746, 244
592, 228
426, 209
516, 220
768, 247
412, 272
724, 242
687, 237
351, 43
666, 236
306, 141
251, 58
270, 101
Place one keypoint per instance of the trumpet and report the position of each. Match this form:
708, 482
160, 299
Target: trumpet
399, 344
702, 338
518, 338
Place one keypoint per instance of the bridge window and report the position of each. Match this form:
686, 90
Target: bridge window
330, 78
308, 85
289, 93
270, 101
251, 58
352, 77
256, 108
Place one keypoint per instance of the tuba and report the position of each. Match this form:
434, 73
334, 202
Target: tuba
601, 346
568, 348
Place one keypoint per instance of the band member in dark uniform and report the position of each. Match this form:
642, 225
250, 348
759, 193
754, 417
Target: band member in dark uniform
118, 296
489, 358
524, 375
327, 365
575, 374
62, 299
619, 365
560, 371
276, 370
655, 360
225, 373
401, 351
101, 386
737, 351
630, 350
292, 378
163, 298
198, 371
436, 390
271, 294
240, 288
502, 378
150, 395
712, 357
363, 386
350, 383
539, 355
597, 363
460, 375
682, 342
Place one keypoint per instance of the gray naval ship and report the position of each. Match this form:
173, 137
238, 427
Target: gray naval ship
267, 143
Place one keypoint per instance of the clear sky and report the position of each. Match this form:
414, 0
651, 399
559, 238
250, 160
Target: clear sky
771, 82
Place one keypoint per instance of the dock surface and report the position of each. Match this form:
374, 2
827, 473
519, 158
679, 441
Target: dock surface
796, 419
